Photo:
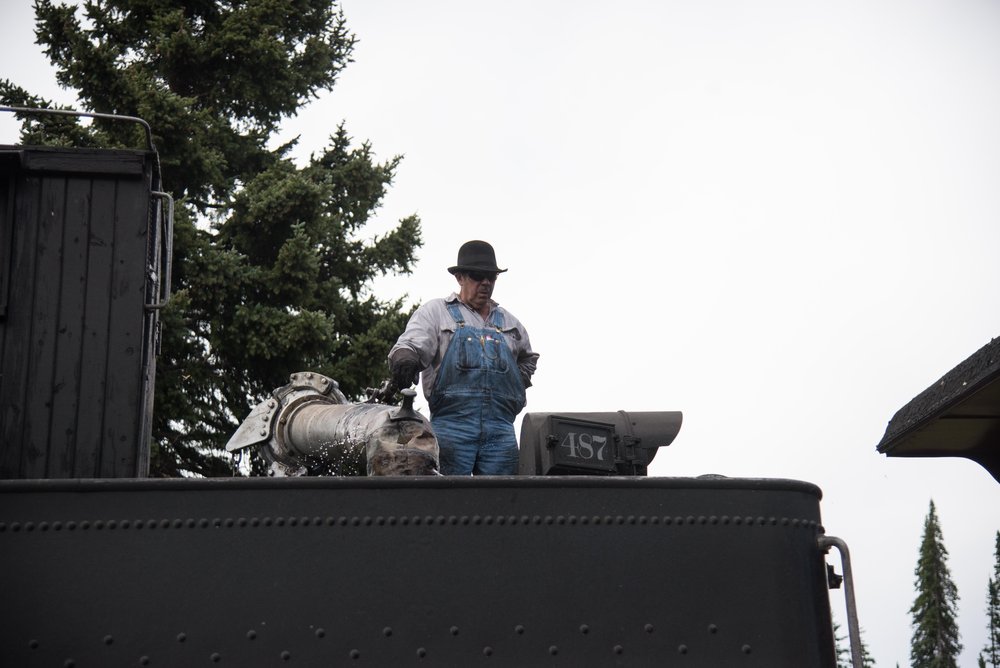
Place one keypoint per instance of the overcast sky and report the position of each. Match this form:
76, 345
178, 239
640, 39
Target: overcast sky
779, 217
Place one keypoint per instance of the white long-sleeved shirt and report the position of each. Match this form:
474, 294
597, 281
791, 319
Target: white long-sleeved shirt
431, 327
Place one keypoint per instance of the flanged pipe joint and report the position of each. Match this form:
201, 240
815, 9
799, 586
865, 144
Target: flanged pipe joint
309, 428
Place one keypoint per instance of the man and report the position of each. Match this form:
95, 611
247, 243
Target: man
476, 361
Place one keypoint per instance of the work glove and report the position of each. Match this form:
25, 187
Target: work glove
403, 368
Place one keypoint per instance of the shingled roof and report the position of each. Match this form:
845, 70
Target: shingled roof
958, 416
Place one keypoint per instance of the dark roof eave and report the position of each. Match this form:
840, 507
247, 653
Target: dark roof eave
957, 416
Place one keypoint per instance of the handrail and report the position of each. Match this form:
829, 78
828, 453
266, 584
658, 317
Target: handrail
86, 114
168, 244
853, 627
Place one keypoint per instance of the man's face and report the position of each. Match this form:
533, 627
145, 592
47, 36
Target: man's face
476, 288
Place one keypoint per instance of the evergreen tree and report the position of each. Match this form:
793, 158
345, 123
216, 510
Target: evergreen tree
867, 660
991, 653
271, 273
842, 645
935, 641
843, 648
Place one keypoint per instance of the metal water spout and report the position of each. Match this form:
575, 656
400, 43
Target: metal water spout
309, 428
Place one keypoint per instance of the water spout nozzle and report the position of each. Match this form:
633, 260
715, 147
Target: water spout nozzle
405, 411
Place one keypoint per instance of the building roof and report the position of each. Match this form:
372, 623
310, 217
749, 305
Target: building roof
958, 416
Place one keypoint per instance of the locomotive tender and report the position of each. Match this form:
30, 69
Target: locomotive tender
580, 560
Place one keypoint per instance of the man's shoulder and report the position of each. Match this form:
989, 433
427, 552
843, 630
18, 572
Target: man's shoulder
433, 310
434, 305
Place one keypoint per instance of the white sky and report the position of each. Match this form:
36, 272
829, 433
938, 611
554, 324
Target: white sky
780, 218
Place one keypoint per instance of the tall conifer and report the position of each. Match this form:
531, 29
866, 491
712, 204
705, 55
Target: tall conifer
935, 641
843, 648
991, 652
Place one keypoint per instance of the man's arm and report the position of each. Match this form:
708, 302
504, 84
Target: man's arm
526, 364
527, 359
415, 348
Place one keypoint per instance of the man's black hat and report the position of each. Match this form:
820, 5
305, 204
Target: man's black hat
476, 256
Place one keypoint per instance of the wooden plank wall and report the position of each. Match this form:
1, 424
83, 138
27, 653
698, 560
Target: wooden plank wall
76, 358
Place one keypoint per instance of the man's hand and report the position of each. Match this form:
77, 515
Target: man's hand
403, 369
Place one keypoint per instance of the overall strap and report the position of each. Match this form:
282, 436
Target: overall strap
496, 320
456, 314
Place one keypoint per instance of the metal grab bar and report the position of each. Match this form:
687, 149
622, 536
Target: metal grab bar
86, 114
853, 627
168, 244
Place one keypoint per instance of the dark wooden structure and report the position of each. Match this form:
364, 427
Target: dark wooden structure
81, 266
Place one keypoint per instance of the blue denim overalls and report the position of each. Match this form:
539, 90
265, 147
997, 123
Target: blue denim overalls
477, 395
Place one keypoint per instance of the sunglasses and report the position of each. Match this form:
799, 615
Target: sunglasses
480, 276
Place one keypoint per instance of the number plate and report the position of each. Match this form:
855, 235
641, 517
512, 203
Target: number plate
582, 444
